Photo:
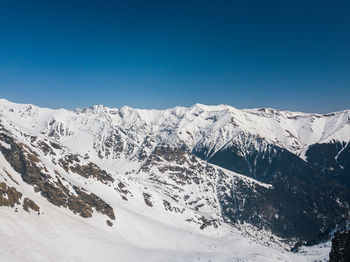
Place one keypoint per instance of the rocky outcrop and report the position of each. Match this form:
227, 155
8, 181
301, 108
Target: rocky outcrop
340, 251
26, 162
9, 196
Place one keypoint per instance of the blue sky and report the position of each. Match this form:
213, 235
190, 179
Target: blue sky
291, 55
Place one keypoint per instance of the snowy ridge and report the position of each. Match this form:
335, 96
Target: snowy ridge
212, 127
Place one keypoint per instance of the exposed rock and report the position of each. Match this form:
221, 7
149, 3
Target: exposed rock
91, 170
94, 201
171, 208
147, 198
30, 204
121, 188
45, 148
9, 196
72, 163
340, 247
25, 162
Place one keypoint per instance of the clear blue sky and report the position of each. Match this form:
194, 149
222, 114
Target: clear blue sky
157, 54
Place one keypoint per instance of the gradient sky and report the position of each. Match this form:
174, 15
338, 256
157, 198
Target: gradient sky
286, 54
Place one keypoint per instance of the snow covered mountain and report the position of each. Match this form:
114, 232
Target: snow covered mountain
206, 182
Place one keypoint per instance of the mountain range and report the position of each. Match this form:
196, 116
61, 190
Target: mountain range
204, 183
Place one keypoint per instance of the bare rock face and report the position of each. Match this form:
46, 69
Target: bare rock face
148, 199
340, 247
9, 196
29, 204
72, 163
26, 162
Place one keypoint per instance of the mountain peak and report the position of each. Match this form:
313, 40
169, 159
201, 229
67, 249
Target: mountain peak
209, 107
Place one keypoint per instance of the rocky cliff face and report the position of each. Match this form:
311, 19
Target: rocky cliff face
340, 247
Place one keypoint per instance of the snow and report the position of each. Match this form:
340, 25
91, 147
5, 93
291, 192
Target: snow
58, 236
4, 144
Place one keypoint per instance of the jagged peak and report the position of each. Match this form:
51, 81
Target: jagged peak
215, 122
95, 109
203, 107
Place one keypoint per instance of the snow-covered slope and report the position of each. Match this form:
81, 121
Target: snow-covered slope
127, 183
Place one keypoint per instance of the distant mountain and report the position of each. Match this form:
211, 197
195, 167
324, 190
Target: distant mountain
259, 180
